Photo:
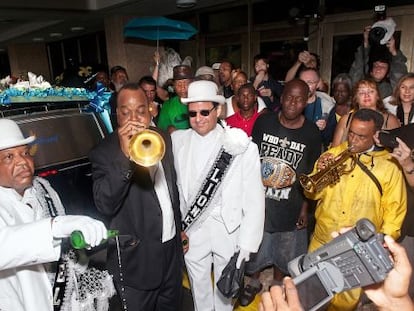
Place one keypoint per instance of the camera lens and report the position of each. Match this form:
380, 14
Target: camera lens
376, 34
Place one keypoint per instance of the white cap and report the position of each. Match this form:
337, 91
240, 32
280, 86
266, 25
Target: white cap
216, 66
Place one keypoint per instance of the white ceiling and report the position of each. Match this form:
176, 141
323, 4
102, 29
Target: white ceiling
27, 20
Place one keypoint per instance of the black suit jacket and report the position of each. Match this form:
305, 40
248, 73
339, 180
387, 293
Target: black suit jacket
124, 192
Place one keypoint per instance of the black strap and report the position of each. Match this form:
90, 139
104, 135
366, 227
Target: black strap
50, 205
208, 188
59, 285
370, 174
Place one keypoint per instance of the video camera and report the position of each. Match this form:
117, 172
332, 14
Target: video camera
354, 259
387, 139
383, 28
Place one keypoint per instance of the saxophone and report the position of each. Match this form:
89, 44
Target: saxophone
331, 174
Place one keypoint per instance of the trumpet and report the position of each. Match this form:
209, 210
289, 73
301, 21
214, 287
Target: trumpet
331, 174
146, 148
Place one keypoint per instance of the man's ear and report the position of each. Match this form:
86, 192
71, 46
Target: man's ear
221, 111
376, 138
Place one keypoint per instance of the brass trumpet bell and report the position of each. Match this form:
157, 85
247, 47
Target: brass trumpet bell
147, 148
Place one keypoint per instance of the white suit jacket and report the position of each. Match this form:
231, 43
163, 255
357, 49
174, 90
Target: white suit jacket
242, 200
26, 243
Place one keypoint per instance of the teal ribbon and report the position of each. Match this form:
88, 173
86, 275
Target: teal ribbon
100, 104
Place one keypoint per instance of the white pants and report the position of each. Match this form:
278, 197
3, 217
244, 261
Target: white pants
210, 245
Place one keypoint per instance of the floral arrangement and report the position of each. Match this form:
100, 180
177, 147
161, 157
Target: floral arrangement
35, 89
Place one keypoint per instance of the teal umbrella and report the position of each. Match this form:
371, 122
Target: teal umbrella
158, 28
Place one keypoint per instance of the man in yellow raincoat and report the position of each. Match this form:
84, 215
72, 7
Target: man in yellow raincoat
374, 189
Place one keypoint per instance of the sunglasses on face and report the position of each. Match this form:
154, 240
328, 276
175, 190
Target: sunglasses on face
204, 112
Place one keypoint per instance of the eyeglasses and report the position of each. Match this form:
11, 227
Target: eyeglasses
204, 112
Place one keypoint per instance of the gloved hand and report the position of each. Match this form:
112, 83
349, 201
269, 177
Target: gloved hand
242, 255
94, 231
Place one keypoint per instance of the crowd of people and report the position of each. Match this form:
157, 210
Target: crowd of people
228, 183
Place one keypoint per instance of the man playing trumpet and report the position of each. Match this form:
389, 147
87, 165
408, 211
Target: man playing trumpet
143, 204
374, 189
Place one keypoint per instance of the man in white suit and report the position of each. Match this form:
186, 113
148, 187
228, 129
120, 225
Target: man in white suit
29, 236
221, 193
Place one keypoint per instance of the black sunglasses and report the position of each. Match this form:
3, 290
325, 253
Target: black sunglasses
204, 112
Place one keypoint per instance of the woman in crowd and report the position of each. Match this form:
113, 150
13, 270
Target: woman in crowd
403, 98
366, 95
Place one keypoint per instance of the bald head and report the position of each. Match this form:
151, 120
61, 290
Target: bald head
294, 99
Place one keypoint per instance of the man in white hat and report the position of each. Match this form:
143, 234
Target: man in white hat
30, 235
221, 193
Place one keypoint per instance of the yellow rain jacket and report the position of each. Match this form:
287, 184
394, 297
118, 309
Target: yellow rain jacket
356, 196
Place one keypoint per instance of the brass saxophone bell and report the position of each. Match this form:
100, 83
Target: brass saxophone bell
147, 148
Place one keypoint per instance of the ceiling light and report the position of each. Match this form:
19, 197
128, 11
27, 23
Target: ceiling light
185, 4
38, 39
55, 34
77, 28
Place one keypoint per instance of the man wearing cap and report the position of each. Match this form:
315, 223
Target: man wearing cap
173, 114
30, 232
221, 194
205, 73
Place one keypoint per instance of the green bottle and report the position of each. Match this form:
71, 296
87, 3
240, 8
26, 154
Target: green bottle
78, 242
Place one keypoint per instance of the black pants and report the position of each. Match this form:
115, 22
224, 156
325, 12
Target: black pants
166, 297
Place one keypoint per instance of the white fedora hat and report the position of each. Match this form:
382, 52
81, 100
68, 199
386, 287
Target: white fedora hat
11, 135
203, 91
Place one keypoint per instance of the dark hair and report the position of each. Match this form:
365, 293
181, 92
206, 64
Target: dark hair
228, 62
367, 115
117, 68
258, 57
147, 80
247, 86
132, 86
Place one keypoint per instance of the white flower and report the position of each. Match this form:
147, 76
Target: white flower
6, 81
235, 140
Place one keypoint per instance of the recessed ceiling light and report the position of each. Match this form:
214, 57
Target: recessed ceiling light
185, 4
77, 28
38, 39
55, 34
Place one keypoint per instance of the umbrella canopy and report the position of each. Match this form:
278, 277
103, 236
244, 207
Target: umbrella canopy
158, 28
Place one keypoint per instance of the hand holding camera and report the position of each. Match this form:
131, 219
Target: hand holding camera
354, 259
391, 295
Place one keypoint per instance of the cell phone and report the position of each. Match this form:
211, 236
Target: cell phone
387, 140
